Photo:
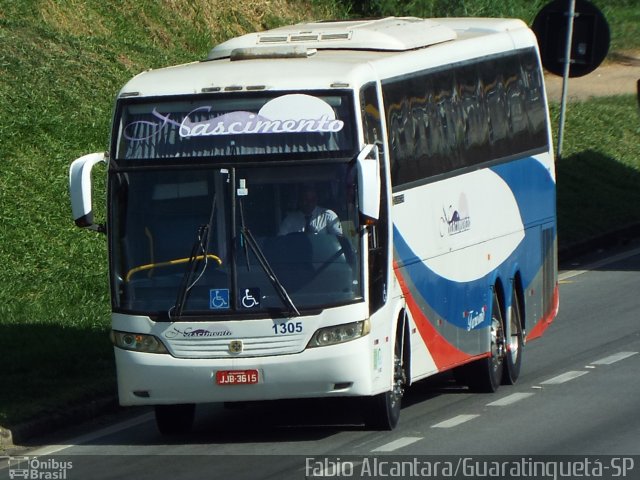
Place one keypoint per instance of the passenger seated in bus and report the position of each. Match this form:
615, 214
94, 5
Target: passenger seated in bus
310, 218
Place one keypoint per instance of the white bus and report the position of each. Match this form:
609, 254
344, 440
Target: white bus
423, 148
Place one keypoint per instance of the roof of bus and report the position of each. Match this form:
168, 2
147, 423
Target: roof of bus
391, 33
326, 55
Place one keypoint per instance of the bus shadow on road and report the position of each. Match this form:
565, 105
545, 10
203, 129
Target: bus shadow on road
431, 387
298, 420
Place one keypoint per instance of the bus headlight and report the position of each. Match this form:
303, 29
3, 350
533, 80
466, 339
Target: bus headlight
137, 342
339, 334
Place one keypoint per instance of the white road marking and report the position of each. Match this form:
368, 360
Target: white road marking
118, 427
565, 377
455, 421
396, 444
509, 399
614, 358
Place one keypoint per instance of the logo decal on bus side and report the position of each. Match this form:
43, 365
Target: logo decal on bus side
455, 220
475, 318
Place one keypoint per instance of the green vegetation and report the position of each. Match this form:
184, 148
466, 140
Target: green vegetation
62, 63
623, 16
599, 174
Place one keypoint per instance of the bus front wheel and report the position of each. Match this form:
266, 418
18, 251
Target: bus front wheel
382, 411
175, 419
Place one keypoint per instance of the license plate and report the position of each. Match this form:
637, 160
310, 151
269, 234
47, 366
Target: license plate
236, 377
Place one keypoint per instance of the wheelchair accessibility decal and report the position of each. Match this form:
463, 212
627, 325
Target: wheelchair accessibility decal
250, 298
218, 298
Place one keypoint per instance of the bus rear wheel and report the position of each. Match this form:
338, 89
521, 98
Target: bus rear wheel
485, 375
175, 419
514, 343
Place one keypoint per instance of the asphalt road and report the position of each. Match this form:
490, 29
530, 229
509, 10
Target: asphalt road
578, 394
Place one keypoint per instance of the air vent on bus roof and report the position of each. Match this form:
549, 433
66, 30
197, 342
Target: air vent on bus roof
272, 38
335, 36
385, 34
271, 51
304, 37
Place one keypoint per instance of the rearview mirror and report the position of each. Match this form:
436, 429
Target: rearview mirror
80, 190
369, 182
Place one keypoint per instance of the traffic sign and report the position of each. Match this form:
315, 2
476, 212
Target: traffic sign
591, 38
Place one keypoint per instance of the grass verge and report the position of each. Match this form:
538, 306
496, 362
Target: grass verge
599, 173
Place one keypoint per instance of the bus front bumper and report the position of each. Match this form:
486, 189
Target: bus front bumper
339, 370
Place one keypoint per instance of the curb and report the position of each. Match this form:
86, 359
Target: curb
625, 58
50, 423
6, 438
617, 237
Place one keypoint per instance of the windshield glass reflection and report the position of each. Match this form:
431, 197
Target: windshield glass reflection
194, 239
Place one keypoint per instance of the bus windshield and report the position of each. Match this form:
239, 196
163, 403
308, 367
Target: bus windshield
207, 192
229, 241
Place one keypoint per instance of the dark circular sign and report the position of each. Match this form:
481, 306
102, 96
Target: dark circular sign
590, 37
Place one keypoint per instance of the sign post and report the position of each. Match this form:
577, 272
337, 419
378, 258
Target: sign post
565, 76
573, 37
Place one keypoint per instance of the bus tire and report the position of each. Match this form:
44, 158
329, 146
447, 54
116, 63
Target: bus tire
514, 343
485, 375
382, 411
175, 419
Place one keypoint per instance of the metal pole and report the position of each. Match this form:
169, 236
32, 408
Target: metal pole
565, 80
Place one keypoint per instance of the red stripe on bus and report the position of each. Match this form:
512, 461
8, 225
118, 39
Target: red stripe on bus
544, 323
444, 354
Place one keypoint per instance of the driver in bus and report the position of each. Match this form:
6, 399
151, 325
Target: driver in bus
310, 218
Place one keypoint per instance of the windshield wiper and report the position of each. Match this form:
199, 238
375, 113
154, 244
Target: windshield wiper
198, 253
271, 275
250, 241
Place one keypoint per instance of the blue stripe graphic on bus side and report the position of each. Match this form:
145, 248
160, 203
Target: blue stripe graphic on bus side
444, 296
533, 188
452, 300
